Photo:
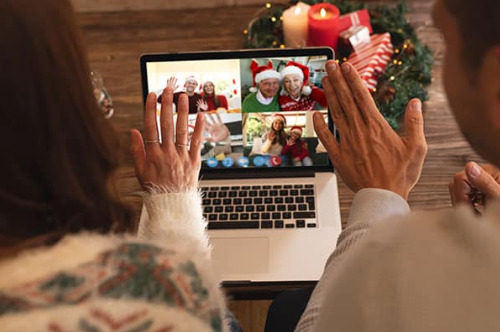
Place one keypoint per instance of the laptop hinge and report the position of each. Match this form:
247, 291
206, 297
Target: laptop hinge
259, 174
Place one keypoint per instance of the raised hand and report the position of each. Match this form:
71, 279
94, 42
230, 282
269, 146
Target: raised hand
216, 129
370, 154
271, 135
202, 105
168, 164
475, 184
172, 82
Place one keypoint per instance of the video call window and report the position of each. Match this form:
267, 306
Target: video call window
258, 111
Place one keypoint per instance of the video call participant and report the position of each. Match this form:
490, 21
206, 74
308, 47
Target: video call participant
296, 147
190, 86
264, 94
275, 139
209, 100
297, 94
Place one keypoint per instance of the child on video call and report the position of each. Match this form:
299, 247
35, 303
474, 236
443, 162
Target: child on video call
296, 147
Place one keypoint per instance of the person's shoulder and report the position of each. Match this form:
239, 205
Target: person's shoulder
251, 95
442, 230
250, 98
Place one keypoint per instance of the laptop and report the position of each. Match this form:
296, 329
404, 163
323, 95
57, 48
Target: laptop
269, 191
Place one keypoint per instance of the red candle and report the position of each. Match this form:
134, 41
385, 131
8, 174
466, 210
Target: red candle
322, 25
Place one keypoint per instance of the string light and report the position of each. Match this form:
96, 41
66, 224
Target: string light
273, 19
275, 43
396, 51
395, 61
268, 5
282, 46
400, 63
392, 78
405, 46
374, 90
337, 61
281, 18
245, 32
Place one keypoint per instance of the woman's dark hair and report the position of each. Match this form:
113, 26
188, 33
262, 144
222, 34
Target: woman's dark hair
58, 153
280, 136
212, 96
478, 21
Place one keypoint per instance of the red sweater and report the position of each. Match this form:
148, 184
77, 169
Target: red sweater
211, 105
305, 103
298, 150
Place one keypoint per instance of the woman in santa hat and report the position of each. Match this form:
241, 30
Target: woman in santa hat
296, 94
275, 139
297, 148
209, 100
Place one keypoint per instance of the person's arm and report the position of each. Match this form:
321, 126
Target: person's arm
319, 96
168, 173
368, 207
223, 102
369, 155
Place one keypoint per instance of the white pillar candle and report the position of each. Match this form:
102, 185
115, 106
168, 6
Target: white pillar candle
295, 25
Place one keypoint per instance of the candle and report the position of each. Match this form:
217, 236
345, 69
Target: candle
295, 25
322, 25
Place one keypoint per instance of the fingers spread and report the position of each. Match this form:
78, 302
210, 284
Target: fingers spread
181, 133
344, 93
151, 131
336, 110
138, 153
326, 137
414, 125
197, 137
166, 116
362, 96
481, 180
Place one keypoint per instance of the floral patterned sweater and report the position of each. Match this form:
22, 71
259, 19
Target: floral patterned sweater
160, 281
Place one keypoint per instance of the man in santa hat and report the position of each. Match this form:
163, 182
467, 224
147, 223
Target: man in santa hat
296, 94
264, 93
297, 148
190, 85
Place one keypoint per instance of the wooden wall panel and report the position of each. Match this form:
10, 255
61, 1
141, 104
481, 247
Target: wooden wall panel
124, 5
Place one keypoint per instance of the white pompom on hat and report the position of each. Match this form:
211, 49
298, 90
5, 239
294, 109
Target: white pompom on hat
296, 68
260, 73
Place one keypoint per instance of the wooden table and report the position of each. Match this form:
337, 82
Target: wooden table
116, 40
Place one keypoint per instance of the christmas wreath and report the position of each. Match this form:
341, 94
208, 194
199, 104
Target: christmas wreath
407, 72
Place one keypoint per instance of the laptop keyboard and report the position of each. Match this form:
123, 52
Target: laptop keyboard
260, 207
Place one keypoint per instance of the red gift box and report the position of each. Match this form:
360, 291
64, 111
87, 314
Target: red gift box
360, 17
371, 59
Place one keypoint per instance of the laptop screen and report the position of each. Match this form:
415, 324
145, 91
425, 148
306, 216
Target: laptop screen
259, 110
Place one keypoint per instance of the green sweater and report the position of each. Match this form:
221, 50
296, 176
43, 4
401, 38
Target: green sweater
252, 105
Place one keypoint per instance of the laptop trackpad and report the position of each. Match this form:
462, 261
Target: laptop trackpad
241, 255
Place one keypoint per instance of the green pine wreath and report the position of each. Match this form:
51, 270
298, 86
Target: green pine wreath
405, 77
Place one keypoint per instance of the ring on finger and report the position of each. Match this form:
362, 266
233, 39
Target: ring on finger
151, 141
181, 145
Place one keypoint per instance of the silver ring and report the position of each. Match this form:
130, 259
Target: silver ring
181, 145
151, 141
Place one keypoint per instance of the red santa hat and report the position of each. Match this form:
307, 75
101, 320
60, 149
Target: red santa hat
296, 68
279, 117
296, 129
260, 73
